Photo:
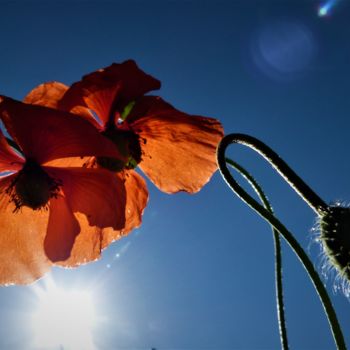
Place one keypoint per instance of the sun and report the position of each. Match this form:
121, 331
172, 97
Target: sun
63, 319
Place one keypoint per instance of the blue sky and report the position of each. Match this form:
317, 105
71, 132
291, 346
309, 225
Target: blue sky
198, 273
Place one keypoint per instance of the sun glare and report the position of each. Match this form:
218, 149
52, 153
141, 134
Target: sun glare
64, 319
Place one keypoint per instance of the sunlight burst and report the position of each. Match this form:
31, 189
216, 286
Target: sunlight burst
64, 319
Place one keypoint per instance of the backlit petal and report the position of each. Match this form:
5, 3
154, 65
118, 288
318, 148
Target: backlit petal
87, 245
22, 257
179, 149
69, 162
45, 134
136, 201
46, 94
97, 193
148, 105
9, 159
49, 94
110, 88
97, 98
62, 230
135, 82
87, 114
92, 240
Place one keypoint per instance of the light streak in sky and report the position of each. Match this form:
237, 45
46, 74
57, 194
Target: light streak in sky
326, 7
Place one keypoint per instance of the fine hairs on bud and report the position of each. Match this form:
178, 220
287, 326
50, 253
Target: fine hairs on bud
335, 240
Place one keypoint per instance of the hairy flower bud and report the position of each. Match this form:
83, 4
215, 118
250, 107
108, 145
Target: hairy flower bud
335, 238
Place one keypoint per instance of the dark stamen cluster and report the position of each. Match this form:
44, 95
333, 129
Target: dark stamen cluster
335, 237
32, 187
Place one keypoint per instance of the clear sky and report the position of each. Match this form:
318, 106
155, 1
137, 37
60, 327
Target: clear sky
198, 273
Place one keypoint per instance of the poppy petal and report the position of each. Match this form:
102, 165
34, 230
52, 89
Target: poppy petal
135, 82
22, 257
9, 159
178, 149
136, 201
62, 229
112, 87
92, 240
49, 94
87, 245
85, 113
69, 162
97, 193
97, 98
148, 105
45, 134
46, 94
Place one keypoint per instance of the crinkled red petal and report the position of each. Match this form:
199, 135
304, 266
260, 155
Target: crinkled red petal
179, 150
49, 94
46, 94
91, 240
62, 229
110, 88
136, 201
136, 198
98, 98
87, 246
22, 258
45, 134
9, 159
97, 193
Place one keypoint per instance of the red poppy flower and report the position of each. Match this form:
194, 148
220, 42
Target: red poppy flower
175, 150
33, 237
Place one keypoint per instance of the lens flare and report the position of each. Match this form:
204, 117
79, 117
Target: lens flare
283, 50
326, 8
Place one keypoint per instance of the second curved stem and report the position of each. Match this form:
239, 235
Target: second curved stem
272, 220
278, 258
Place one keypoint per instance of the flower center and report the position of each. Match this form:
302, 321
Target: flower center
128, 144
32, 187
335, 236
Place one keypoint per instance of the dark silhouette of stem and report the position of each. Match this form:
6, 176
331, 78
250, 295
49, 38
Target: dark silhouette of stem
278, 258
304, 191
312, 199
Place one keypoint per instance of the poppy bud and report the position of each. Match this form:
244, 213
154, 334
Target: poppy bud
335, 238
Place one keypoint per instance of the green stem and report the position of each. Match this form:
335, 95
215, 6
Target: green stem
304, 191
278, 258
272, 220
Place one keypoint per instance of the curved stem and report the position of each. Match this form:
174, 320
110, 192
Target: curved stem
272, 220
304, 191
278, 258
